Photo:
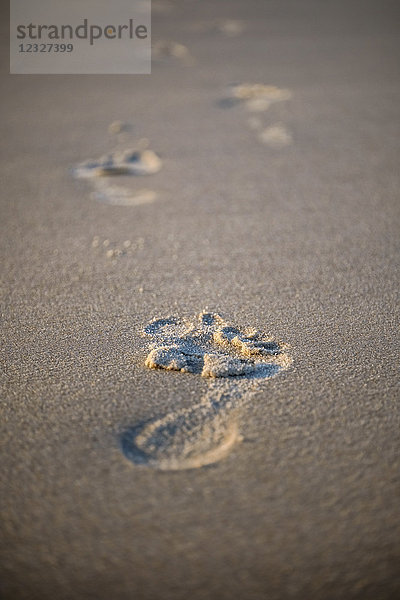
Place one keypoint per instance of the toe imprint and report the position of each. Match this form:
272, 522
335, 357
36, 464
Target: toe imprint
127, 162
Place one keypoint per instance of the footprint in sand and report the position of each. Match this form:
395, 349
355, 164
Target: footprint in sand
275, 136
226, 27
258, 98
233, 362
122, 163
165, 49
255, 97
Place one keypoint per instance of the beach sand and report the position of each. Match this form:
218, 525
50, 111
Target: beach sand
278, 211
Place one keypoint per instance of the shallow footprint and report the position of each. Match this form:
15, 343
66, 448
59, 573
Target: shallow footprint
234, 363
256, 97
276, 136
163, 49
123, 163
228, 27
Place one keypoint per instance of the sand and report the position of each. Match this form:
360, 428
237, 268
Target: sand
298, 240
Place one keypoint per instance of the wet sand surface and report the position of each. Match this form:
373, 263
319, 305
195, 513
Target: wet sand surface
278, 215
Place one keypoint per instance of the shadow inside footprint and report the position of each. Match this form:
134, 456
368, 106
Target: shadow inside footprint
227, 103
130, 449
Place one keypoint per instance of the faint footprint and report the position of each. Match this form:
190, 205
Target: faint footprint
119, 128
256, 97
122, 162
163, 49
233, 362
276, 136
228, 27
